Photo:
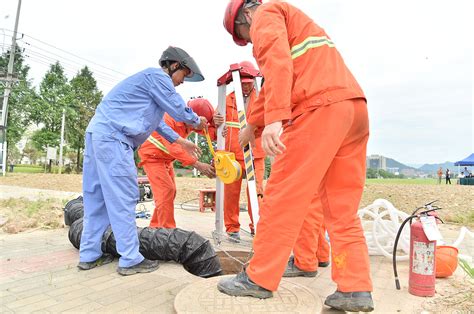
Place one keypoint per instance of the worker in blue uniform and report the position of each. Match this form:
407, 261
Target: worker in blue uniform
124, 119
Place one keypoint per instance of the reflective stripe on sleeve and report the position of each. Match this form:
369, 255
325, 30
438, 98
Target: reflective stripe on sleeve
309, 43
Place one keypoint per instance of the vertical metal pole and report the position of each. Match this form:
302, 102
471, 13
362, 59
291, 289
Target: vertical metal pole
195, 171
61, 144
6, 94
249, 168
221, 109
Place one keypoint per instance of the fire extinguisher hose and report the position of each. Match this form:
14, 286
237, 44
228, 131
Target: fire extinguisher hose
394, 261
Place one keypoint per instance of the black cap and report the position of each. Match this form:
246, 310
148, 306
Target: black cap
182, 57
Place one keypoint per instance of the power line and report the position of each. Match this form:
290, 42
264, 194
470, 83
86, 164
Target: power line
70, 53
65, 64
44, 53
100, 74
69, 68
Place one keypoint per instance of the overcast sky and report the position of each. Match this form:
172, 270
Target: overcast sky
413, 58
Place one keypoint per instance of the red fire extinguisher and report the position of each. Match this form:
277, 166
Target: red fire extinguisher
421, 280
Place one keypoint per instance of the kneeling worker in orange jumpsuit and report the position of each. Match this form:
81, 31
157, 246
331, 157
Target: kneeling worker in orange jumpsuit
309, 89
232, 191
157, 156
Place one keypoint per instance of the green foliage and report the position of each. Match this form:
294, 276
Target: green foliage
371, 173
55, 95
13, 154
268, 167
380, 173
31, 152
85, 97
21, 98
466, 267
206, 156
43, 138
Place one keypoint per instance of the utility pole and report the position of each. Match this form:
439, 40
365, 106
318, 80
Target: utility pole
6, 94
61, 144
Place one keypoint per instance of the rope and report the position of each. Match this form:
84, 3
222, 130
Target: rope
380, 232
381, 229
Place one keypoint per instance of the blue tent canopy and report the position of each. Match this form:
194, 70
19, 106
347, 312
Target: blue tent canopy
469, 161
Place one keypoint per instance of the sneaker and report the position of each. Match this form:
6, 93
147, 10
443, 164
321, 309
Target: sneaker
242, 286
104, 259
234, 237
293, 271
145, 266
351, 301
323, 264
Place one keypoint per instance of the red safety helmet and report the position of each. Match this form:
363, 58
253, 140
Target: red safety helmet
202, 107
247, 67
229, 18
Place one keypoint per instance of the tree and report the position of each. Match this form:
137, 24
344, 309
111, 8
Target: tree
21, 98
206, 156
85, 99
31, 152
371, 173
54, 96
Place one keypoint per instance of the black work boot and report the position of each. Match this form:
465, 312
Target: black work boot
242, 286
234, 237
145, 266
293, 271
351, 301
323, 264
104, 259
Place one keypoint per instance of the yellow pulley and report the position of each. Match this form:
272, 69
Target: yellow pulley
227, 168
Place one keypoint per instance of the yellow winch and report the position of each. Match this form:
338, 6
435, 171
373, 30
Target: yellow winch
227, 168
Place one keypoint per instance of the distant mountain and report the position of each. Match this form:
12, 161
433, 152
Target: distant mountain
415, 165
392, 163
432, 168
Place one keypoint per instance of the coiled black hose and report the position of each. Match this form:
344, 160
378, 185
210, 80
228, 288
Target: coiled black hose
185, 247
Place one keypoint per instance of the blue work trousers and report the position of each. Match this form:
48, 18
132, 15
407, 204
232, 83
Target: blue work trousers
110, 196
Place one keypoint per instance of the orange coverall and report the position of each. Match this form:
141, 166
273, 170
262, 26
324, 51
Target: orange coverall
309, 88
311, 246
157, 160
232, 191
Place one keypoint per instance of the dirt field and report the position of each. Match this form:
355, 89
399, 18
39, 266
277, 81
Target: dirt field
457, 201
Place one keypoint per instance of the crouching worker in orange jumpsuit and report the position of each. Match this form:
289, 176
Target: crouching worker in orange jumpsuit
310, 90
157, 156
232, 190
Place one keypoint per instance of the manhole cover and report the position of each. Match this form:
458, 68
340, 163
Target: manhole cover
203, 297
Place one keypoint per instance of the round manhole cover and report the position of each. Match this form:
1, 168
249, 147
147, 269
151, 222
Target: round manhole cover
203, 297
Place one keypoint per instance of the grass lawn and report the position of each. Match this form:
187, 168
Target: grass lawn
431, 181
28, 169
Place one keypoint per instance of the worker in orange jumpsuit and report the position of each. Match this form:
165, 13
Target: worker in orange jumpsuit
157, 156
232, 190
311, 249
308, 89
